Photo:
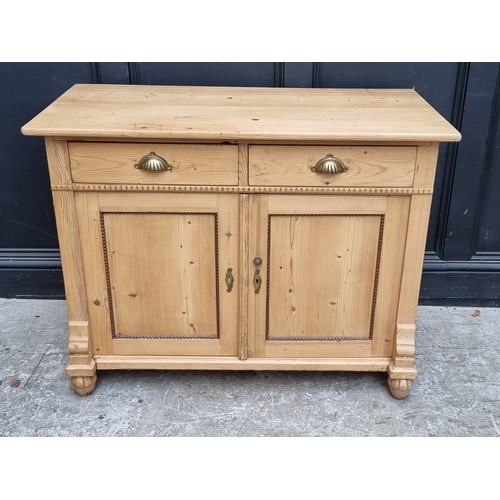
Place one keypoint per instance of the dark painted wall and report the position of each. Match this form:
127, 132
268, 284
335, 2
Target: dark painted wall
463, 247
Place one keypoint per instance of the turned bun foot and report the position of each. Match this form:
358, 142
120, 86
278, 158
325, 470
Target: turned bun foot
400, 387
84, 385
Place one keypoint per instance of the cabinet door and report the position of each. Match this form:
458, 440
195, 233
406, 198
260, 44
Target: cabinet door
155, 267
331, 271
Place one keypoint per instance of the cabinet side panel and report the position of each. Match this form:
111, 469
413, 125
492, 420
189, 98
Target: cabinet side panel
58, 159
425, 169
418, 224
414, 256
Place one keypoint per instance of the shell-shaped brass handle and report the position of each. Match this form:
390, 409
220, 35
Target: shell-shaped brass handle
152, 162
329, 165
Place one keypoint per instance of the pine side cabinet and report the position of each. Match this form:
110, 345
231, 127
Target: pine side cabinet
223, 228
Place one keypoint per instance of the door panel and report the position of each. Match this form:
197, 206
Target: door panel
330, 271
326, 266
164, 262
158, 286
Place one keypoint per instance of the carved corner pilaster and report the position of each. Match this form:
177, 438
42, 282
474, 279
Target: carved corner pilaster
79, 338
81, 367
402, 370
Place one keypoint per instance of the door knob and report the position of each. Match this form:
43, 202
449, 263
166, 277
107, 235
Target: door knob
257, 261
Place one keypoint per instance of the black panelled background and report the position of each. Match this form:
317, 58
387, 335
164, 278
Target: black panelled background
462, 264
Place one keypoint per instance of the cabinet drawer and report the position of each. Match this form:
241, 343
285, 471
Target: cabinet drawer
371, 166
192, 164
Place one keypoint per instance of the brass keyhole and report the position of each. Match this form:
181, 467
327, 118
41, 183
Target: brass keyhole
229, 279
257, 281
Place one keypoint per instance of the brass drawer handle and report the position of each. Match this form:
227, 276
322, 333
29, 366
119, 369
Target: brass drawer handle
329, 165
152, 162
229, 279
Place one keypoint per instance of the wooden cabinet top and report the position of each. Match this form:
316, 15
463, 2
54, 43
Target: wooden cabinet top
238, 113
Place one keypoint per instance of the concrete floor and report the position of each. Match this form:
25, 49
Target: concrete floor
456, 394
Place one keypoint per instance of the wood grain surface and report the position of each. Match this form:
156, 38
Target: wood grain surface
145, 254
229, 113
192, 164
367, 166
